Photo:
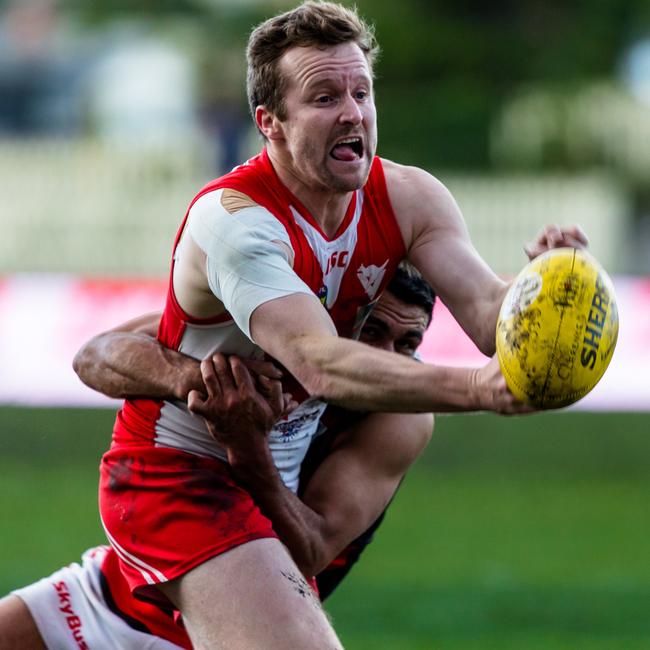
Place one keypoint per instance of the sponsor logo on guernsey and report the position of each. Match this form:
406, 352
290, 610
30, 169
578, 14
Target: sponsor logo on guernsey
302, 421
73, 621
370, 277
333, 255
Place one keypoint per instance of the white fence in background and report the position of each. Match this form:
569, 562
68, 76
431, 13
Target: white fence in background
503, 213
80, 206
84, 207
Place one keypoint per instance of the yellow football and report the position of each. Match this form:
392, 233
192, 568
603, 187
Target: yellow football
557, 328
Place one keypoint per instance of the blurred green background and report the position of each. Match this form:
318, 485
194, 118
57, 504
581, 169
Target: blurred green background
509, 533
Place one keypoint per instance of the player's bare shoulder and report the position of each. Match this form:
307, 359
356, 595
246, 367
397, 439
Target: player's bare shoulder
421, 201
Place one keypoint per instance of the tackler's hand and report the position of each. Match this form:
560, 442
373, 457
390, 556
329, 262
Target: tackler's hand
554, 236
235, 411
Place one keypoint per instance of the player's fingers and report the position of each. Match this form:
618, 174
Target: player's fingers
223, 372
532, 250
241, 376
290, 404
271, 390
553, 235
576, 236
538, 245
263, 368
515, 407
210, 378
196, 402
276, 398
265, 385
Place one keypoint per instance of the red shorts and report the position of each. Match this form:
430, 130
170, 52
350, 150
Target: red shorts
166, 511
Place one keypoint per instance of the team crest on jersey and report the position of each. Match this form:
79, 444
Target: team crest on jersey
370, 277
322, 295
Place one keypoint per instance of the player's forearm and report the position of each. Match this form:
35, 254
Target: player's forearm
126, 364
301, 529
359, 377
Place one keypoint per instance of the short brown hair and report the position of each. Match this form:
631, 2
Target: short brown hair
312, 23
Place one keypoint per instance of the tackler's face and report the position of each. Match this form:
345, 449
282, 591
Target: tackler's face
395, 326
330, 130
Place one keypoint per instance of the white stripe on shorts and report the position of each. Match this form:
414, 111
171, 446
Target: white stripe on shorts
145, 569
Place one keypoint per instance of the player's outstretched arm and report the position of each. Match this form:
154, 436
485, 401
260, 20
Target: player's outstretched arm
347, 492
359, 377
128, 361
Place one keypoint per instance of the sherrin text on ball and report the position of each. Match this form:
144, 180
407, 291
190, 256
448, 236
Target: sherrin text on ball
557, 328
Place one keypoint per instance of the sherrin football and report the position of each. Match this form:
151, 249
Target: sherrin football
557, 328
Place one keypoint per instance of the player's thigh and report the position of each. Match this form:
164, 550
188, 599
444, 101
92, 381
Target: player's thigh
18, 630
251, 597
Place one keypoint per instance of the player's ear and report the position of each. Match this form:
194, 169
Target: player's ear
269, 125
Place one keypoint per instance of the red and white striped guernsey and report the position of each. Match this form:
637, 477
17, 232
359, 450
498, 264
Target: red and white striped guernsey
348, 272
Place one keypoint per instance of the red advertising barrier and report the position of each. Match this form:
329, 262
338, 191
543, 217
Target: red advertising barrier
44, 319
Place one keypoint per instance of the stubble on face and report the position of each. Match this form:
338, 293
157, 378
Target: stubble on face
311, 133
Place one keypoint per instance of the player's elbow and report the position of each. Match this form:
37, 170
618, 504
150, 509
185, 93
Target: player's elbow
487, 344
484, 333
319, 553
84, 361
310, 549
90, 366
314, 557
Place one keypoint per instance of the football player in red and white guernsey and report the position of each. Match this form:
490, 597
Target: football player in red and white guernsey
284, 256
350, 474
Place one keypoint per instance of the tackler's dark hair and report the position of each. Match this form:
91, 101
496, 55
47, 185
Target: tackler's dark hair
410, 287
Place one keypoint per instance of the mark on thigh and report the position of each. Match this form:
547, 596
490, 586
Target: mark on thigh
301, 586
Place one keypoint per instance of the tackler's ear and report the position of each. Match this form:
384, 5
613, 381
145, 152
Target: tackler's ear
268, 124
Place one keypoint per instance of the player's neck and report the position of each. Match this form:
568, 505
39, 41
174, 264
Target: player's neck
326, 206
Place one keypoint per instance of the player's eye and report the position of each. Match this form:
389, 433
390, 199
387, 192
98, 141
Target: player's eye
405, 347
323, 99
369, 333
361, 95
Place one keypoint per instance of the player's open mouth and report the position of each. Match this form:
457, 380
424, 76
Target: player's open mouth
348, 149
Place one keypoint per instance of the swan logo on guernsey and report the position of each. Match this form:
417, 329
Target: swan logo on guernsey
370, 277
73, 621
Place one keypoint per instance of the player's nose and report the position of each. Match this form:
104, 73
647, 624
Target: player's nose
350, 110
387, 344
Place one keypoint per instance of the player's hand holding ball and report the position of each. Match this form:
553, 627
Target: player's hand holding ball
557, 328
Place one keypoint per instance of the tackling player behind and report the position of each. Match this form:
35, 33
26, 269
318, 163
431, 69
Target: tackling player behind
351, 472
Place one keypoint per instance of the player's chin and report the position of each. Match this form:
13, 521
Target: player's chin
348, 175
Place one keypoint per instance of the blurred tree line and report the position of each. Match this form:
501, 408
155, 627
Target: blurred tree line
446, 68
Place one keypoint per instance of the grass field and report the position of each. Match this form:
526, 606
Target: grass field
528, 533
